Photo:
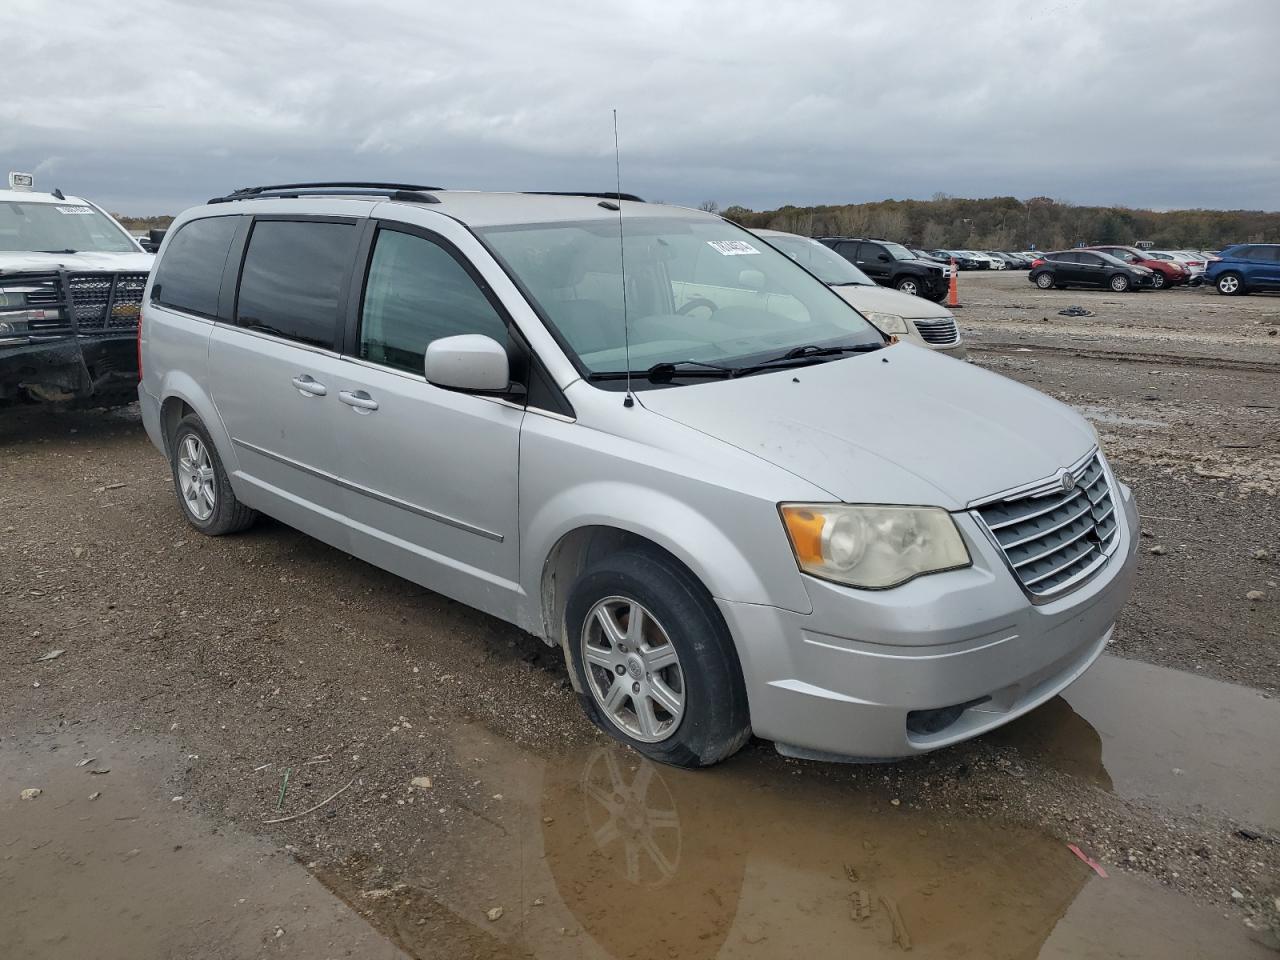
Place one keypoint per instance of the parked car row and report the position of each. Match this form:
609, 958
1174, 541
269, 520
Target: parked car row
894, 265
1090, 268
1239, 269
985, 259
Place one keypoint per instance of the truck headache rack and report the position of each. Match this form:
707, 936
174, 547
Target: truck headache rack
77, 302
361, 188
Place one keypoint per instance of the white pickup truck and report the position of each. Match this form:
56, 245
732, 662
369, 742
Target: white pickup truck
71, 281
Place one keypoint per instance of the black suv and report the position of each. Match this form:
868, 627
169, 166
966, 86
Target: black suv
1087, 268
893, 265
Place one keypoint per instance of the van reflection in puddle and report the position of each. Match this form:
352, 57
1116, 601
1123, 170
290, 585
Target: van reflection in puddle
656, 862
632, 807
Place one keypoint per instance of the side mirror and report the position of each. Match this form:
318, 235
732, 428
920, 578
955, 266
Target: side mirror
883, 257
470, 362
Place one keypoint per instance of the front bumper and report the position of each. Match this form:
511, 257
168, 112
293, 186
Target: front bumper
884, 674
79, 366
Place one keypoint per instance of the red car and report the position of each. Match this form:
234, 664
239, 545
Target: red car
1166, 273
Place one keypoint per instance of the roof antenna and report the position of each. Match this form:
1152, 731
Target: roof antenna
629, 400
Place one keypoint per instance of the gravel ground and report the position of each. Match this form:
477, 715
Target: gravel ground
269, 650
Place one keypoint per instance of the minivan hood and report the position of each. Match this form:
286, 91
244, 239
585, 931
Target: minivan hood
899, 425
876, 299
24, 262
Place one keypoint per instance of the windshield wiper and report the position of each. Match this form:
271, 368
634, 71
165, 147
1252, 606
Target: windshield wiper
57, 251
665, 371
802, 356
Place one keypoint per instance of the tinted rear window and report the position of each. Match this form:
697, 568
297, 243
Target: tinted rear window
189, 275
293, 277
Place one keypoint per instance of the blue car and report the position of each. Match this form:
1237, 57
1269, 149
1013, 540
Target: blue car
1246, 267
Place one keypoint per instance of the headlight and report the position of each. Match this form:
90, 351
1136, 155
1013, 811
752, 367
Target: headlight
888, 322
873, 546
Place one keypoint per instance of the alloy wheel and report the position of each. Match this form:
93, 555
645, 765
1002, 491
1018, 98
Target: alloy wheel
196, 478
908, 287
633, 669
1229, 284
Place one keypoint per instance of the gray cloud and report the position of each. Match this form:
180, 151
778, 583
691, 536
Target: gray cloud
761, 103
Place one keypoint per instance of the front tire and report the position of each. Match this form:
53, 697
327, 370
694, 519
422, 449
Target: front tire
203, 488
654, 660
1158, 281
1120, 283
908, 285
1231, 285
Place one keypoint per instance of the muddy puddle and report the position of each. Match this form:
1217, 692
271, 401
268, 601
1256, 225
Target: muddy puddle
595, 853
601, 854
1147, 732
132, 874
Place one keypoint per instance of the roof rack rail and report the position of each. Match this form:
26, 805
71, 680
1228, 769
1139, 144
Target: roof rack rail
607, 195
393, 191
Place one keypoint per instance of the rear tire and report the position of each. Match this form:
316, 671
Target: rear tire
201, 484
671, 646
1044, 280
1231, 285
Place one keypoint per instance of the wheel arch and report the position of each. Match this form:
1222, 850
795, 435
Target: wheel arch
183, 395
573, 553
555, 554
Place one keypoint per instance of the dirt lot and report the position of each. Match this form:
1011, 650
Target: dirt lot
196, 672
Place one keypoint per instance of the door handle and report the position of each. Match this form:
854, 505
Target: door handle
308, 386
358, 399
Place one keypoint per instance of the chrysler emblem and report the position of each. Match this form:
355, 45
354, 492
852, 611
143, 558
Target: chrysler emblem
1067, 480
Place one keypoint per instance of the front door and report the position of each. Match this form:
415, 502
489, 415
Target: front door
1091, 269
432, 474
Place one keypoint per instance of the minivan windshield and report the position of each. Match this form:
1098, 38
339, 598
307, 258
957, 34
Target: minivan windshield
820, 260
698, 292
59, 228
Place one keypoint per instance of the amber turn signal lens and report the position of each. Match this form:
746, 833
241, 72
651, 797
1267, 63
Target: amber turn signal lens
804, 526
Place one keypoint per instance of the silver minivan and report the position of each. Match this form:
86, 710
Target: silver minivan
647, 437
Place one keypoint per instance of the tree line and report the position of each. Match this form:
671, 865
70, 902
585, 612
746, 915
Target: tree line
1007, 223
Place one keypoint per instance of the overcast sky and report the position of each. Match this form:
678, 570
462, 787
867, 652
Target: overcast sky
151, 106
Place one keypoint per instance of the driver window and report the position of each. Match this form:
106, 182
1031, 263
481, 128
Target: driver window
416, 293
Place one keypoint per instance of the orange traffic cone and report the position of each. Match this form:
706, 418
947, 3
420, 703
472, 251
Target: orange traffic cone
953, 291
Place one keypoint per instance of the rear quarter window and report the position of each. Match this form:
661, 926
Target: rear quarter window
189, 275
294, 277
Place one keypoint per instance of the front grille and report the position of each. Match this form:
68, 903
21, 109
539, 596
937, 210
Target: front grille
106, 302
942, 332
1055, 538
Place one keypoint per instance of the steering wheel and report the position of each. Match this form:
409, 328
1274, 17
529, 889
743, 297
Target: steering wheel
693, 304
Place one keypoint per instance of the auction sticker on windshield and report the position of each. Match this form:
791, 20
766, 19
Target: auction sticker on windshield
81, 210
732, 248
